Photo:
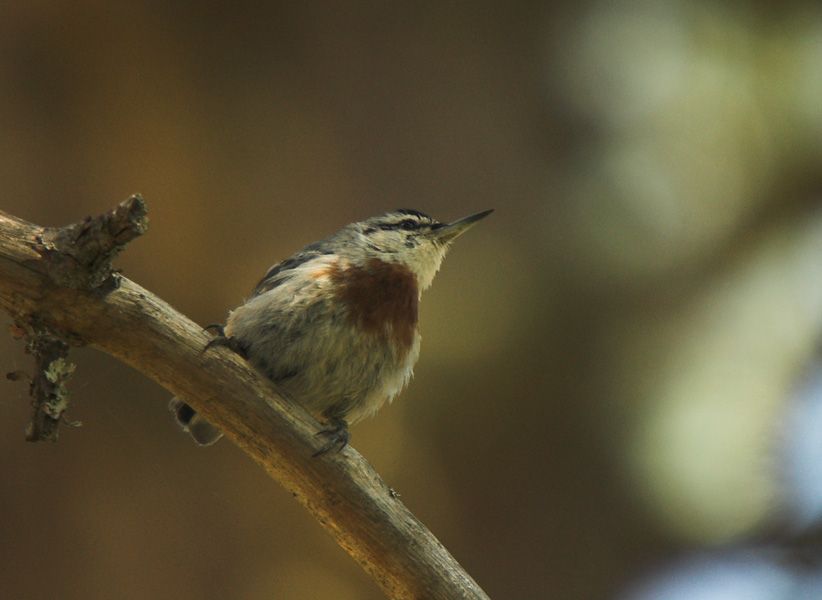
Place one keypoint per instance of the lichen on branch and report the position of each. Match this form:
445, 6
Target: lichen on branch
50, 397
76, 256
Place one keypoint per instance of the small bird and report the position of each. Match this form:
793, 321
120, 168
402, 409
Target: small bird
335, 325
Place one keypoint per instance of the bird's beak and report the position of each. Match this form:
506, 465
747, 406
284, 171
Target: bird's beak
451, 231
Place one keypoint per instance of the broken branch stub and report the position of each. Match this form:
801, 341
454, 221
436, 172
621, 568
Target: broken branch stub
76, 256
79, 255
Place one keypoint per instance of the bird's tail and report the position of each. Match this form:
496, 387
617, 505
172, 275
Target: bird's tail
203, 432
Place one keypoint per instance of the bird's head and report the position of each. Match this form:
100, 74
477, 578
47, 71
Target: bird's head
407, 237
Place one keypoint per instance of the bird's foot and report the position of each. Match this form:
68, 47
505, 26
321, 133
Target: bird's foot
221, 339
217, 328
337, 434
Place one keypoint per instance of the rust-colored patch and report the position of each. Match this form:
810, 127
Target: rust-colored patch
321, 272
381, 297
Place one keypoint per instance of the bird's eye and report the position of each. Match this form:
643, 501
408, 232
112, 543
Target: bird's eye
408, 225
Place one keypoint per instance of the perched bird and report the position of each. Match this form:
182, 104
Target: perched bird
335, 325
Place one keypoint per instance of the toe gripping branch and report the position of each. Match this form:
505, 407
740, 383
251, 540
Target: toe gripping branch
337, 434
220, 339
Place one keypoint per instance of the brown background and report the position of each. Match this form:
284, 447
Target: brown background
606, 360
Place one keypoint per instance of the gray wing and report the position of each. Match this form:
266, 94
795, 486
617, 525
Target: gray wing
283, 271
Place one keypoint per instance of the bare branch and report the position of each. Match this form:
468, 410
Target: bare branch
61, 282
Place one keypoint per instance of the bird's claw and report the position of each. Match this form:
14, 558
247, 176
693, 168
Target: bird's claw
337, 435
217, 328
221, 339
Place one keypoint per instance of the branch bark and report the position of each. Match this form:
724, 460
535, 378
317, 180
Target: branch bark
59, 283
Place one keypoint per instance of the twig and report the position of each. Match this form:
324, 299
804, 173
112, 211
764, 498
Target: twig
49, 396
61, 282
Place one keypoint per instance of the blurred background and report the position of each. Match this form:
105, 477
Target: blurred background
620, 387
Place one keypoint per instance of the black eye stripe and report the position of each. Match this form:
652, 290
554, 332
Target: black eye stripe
403, 219
405, 224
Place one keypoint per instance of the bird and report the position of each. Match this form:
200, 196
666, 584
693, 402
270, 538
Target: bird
335, 326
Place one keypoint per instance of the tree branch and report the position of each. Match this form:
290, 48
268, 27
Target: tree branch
57, 284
